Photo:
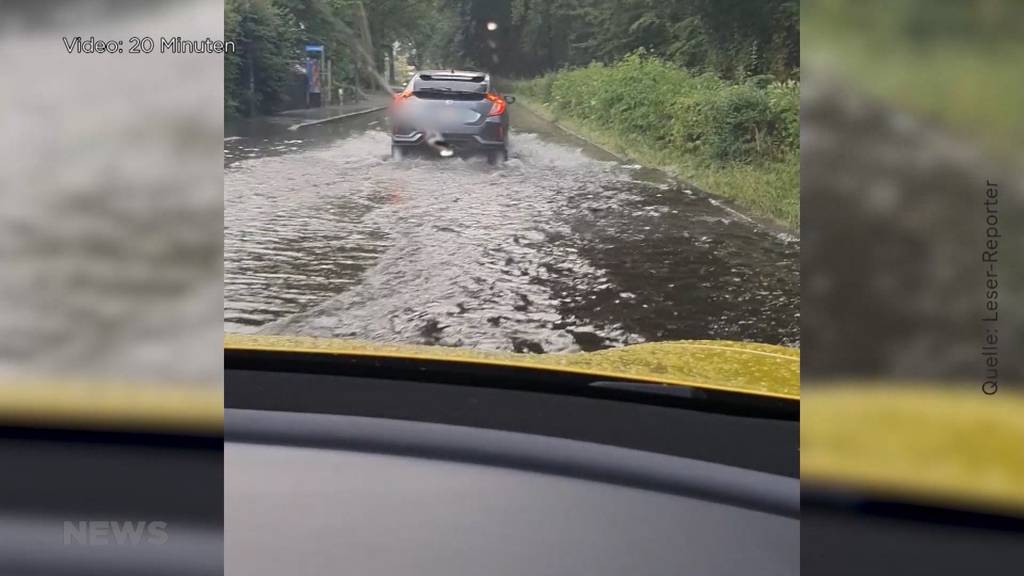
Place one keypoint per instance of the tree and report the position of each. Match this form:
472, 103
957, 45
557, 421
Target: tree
735, 39
266, 39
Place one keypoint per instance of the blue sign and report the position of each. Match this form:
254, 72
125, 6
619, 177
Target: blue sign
314, 48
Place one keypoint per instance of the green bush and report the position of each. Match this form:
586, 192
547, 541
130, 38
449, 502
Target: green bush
268, 40
538, 88
741, 138
784, 99
738, 123
648, 100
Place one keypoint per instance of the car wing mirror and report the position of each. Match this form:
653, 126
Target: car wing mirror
510, 99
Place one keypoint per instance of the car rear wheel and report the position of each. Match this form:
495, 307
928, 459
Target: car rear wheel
496, 156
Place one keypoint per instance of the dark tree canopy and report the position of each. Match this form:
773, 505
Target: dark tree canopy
734, 39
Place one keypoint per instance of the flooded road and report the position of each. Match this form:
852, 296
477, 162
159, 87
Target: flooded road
561, 249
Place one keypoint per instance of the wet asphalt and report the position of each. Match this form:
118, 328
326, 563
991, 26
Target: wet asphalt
562, 248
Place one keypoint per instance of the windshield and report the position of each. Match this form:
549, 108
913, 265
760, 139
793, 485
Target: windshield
590, 177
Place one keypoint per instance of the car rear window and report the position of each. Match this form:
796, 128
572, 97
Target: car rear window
436, 83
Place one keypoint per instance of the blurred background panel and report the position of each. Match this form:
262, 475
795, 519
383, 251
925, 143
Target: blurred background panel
110, 288
111, 221
910, 114
910, 108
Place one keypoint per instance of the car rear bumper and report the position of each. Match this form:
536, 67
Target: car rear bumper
458, 142
489, 135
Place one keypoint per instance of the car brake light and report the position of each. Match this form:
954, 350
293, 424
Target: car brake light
497, 104
403, 95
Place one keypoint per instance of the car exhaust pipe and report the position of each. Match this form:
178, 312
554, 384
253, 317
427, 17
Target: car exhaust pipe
443, 148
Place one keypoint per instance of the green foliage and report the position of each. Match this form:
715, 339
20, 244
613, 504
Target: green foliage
356, 34
784, 102
650, 100
433, 35
732, 38
740, 124
739, 139
267, 39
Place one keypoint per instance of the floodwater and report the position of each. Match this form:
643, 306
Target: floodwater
562, 248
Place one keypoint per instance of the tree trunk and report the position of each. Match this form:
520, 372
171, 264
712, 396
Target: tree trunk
391, 64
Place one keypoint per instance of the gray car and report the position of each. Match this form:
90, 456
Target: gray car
448, 112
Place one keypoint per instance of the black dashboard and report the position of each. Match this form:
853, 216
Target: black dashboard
391, 469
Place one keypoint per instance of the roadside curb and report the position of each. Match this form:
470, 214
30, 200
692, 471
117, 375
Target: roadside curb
335, 118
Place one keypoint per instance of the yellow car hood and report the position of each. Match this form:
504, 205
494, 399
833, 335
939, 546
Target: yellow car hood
745, 367
944, 444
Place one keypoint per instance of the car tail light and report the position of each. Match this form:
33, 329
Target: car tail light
403, 95
497, 104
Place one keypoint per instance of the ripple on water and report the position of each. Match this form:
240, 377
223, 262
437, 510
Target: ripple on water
531, 256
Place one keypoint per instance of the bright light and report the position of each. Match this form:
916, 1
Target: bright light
492, 26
